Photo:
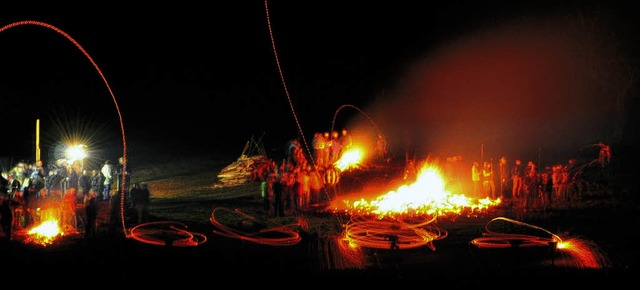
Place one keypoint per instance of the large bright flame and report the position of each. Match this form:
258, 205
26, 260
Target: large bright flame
350, 159
427, 195
45, 233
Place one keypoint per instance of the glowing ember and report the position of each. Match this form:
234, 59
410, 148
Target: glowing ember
350, 159
45, 233
427, 195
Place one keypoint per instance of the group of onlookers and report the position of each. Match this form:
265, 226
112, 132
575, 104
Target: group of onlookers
529, 187
31, 193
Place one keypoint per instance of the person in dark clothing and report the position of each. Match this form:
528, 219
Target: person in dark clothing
91, 214
84, 183
97, 181
7, 204
140, 197
119, 172
278, 204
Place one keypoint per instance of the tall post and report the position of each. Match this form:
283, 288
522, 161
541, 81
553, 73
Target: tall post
37, 140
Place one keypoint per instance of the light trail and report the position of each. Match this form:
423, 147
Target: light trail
264, 232
167, 233
395, 234
576, 252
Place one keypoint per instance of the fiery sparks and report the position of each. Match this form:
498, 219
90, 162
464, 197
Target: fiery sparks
581, 254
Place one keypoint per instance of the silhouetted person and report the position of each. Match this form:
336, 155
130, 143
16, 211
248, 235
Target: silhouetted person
91, 214
6, 216
140, 198
84, 183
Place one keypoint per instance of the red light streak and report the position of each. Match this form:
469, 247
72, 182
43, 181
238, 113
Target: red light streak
574, 252
167, 233
392, 233
276, 235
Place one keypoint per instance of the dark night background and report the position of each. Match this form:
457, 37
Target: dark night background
515, 77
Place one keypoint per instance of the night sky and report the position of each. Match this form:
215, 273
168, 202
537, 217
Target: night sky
514, 78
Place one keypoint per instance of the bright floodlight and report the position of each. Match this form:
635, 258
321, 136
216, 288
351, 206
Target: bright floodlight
76, 152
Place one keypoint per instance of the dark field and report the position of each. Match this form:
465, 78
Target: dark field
182, 244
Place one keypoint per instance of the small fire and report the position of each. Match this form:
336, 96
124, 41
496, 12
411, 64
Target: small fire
427, 195
350, 159
45, 233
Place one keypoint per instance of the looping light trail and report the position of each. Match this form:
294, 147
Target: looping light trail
494, 239
167, 233
576, 252
393, 234
274, 235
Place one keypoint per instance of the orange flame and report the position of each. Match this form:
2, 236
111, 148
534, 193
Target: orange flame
45, 233
350, 159
427, 195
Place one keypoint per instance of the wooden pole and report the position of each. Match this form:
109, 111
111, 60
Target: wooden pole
37, 139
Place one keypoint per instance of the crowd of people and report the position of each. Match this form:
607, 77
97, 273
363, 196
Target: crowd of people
304, 180
64, 191
529, 187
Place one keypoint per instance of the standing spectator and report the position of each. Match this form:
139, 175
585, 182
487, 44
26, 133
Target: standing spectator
50, 184
517, 175
91, 214
476, 178
487, 180
68, 210
140, 197
84, 183
72, 180
37, 178
503, 176
531, 183
345, 140
7, 205
107, 173
265, 194
268, 194
97, 182
319, 143
335, 150
120, 172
